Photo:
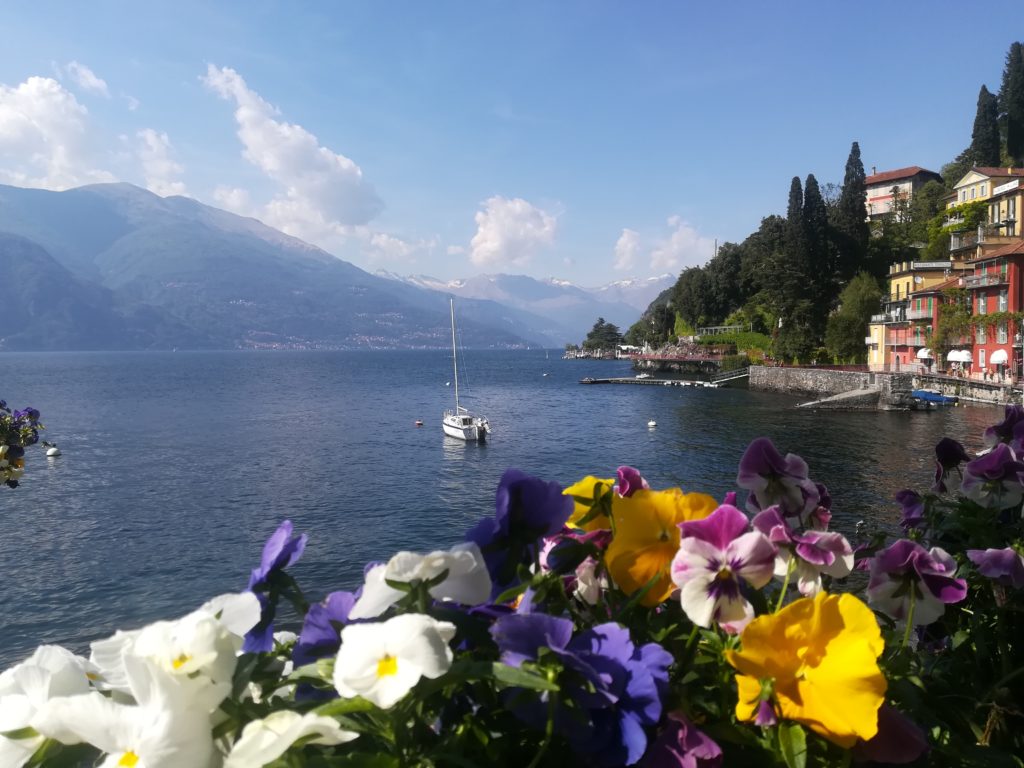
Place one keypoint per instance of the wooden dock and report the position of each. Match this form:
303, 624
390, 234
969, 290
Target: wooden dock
649, 382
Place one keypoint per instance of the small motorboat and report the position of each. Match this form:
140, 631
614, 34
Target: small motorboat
652, 423
419, 423
933, 397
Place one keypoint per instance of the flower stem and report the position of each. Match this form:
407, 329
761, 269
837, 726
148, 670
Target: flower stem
549, 728
790, 567
910, 621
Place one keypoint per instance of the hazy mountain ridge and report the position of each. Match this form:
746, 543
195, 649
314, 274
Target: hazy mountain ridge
572, 309
206, 277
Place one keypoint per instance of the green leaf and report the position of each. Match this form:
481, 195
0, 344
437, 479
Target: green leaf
345, 707
793, 745
522, 678
27, 732
369, 760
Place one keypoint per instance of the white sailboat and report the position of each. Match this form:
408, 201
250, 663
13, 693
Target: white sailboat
461, 423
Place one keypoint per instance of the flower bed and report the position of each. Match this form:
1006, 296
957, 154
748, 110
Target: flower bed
604, 624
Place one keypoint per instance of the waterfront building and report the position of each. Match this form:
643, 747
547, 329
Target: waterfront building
1001, 188
883, 188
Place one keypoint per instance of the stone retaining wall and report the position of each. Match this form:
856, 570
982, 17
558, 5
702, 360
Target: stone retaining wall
969, 390
809, 381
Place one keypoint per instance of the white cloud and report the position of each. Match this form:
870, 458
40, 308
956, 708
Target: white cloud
159, 169
455, 250
44, 140
682, 248
87, 79
627, 249
510, 232
322, 192
234, 199
133, 103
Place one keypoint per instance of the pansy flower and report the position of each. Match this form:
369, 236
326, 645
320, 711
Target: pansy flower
527, 510
905, 578
681, 744
1003, 431
383, 661
647, 538
715, 554
949, 455
913, 509
994, 480
281, 550
1005, 566
811, 553
773, 479
817, 661
592, 503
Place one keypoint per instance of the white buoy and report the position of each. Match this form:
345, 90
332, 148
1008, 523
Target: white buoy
652, 423
54, 451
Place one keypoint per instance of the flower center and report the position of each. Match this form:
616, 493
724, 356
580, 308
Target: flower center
387, 666
724, 574
129, 759
178, 663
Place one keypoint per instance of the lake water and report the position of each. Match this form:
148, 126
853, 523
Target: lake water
177, 466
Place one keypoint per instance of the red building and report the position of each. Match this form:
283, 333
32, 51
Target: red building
996, 286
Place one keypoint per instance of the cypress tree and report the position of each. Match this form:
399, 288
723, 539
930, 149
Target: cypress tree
794, 280
851, 219
985, 136
820, 271
1011, 103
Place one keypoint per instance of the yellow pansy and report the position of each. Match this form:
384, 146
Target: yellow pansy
647, 538
599, 492
820, 657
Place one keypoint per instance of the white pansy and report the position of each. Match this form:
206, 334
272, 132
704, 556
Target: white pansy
263, 741
161, 731
50, 672
198, 650
589, 585
382, 662
467, 582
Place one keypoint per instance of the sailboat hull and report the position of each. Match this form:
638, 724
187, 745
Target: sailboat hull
472, 429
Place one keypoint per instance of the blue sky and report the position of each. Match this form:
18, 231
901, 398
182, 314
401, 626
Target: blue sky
584, 140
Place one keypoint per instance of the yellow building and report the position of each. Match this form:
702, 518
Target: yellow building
1000, 186
901, 326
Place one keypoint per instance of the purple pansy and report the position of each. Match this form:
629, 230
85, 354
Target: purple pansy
906, 572
1005, 566
281, 550
773, 478
320, 637
527, 510
630, 481
949, 455
714, 554
993, 480
899, 740
816, 551
618, 686
1003, 431
682, 745
913, 509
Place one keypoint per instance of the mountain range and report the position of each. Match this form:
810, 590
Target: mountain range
113, 266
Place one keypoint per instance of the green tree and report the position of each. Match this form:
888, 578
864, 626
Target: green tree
955, 170
1011, 103
985, 147
603, 336
847, 326
693, 296
850, 219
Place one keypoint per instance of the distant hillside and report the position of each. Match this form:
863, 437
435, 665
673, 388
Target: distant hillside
570, 309
142, 271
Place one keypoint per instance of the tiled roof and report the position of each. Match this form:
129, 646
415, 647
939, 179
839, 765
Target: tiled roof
1012, 249
988, 171
953, 282
899, 173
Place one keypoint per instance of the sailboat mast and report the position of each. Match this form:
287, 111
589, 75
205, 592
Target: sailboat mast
455, 359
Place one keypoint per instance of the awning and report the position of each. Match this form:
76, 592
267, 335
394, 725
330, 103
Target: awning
959, 356
923, 353
999, 357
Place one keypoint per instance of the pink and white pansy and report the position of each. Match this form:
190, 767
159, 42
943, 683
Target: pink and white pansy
714, 554
809, 554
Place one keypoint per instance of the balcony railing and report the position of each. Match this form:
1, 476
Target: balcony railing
890, 317
986, 280
919, 314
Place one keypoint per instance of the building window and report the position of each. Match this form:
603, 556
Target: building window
973, 190
979, 334
1003, 298
982, 303
981, 358
1001, 333
983, 187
